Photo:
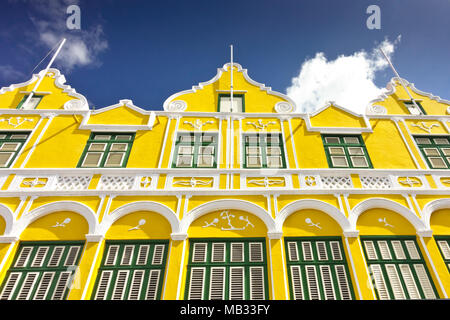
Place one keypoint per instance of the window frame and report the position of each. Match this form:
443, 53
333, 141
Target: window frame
105, 153
409, 102
220, 95
263, 149
19, 106
433, 145
446, 239
19, 149
196, 144
345, 147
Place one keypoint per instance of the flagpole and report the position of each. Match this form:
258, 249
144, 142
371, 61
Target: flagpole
400, 79
45, 72
231, 79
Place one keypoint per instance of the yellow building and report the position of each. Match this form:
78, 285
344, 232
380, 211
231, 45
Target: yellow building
221, 197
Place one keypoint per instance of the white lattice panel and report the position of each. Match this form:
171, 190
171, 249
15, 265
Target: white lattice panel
116, 182
336, 182
68, 183
376, 182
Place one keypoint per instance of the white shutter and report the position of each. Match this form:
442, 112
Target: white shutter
370, 250
103, 285
196, 284
343, 284
321, 250
313, 287
424, 281
256, 252
293, 251
72, 256
412, 249
56, 256
23, 258
61, 285
327, 282
39, 257
27, 286
398, 250
296, 279
143, 255
127, 255
445, 249
237, 252
307, 251
218, 252
217, 284
237, 283
153, 283
380, 284
111, 255
10, 285
257, 283
44, 285
199, 252
336, 250
384, 250
408, 278
136, 284
158, 254
395, 282
120, 285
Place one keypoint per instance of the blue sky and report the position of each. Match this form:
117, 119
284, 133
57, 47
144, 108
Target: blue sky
147, 50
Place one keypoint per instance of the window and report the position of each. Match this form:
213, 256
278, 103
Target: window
444, 247
107, 150
10, 145
131, 270
346, 152
397, 268
32, 104
436, 150
227, 270
317, 269
225, 103
195, 150
263, 150
413, 109
41, 271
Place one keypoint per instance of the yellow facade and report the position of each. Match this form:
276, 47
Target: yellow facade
122, 178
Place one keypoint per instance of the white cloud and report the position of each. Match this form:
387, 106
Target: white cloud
347, 80
8, 73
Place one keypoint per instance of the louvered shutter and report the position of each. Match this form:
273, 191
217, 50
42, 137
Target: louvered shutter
380, 284
327, 282
103, 285
27, 286
61, 285
336, 250
72, 256
384, 250
307, 251
111, 255
10, 286
23, 258
257, 283
136, 284
398, 250
153, 284
199, 252
56, 256
311, 278
127, 255
158, 252
218, 252
196, 284
256, 252
321, 250
143, 255
395, 282
38, 259
412, 249
44, 285
370, 250
408, 278
237, 283
343, 284
293, 251
217, 284
296, 279
424, 281
445, 249
120, 285
237, 252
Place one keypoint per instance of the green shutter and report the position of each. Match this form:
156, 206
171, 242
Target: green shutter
345, 151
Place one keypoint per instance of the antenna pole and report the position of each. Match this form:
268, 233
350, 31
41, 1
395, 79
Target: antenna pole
46, 70
400, 79
231, 79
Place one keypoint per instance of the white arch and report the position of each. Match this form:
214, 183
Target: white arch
8, 215
381, 203
228, 204
159, 208
49, 208
322, 206
432, 206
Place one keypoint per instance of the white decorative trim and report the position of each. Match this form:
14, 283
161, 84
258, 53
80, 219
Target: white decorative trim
198, 124
423, 126
8, 216
376, 110
284, 107
431, 207
266, 182
16, 121
177, 105
260, 125
192, 182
